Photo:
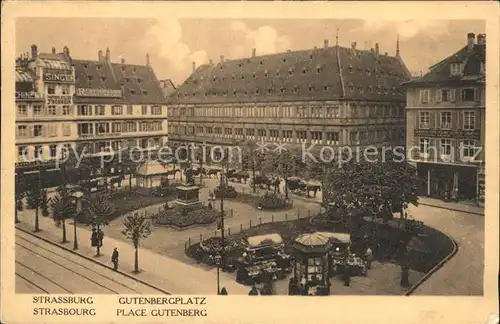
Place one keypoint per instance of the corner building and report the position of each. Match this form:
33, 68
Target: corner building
99, 105
331, 96
446, 123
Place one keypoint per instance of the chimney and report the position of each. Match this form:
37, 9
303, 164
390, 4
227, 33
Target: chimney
66, 51
34, 51
377, 49
122, 60
481, 39
222, 58
194, 66
53, 50
107, 54
353, 45
366, 45
372, 50
470, 41
147, 60
325, 42
211, 62
100, 57
288, 50
254, 52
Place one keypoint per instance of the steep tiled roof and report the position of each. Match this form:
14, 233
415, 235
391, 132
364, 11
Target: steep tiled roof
440, 72
301, 75
138, 83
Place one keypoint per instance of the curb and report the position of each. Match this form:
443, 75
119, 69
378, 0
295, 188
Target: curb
93, 260
433, 270
452, 209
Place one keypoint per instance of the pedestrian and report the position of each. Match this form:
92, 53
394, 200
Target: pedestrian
369, 257
405, 282
253, 291
347, 275
93, 238
100, 237
223, 291
114, 259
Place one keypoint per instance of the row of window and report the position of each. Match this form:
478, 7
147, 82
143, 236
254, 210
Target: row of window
445, 120
116, 110
27, 153
468, 148
450, 95
41, 110
48, 130
118, 127
457, 69
58, 89
310, 88
333, 111
318, 137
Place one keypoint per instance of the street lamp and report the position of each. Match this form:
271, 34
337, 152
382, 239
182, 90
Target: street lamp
77, 195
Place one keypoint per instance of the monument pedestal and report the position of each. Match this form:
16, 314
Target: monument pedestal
188, 198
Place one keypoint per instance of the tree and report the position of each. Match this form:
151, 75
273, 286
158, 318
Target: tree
252, 160
63, 207
34, 198
20, 193
285, 164
137, 227
77, 168
99, 209
44, 204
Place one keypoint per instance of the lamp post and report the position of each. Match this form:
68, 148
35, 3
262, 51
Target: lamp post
223, 187
218, 263
78, 195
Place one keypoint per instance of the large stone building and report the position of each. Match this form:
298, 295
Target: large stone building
97, 104
331, 96
445, 123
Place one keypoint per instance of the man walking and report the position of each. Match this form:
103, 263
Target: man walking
114, 259
369, 257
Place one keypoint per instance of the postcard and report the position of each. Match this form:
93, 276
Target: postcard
167, 161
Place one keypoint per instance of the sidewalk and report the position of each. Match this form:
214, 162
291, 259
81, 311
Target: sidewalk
157, 270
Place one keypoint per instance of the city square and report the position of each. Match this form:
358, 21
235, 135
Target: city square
325, 171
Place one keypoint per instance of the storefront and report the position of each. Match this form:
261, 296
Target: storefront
448, 181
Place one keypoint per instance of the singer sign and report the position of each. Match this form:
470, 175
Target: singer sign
58, 77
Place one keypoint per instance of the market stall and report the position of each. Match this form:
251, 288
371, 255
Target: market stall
264, 258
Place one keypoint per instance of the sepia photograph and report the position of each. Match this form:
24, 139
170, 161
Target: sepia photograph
181, 158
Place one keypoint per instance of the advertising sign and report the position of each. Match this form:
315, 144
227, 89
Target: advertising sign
59, 100
56, 76
100, 93
27, 95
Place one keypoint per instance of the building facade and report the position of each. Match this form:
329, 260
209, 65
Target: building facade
99, 105
328, 96
445, 123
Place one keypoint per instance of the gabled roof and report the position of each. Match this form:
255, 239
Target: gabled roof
317, 74
138, 83
440, 72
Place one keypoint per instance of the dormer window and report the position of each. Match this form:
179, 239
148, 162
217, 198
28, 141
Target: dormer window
318, 69
368, 72
295, 89
139, 80
242, 77
123, 68
246, 92
290, 71
127, 79
98, 67
103, 79
194, 94
277, 73
90, 78
261, 62
86, 66
282, 90
265, 74
132, 91
254, 76
214, 78
205, 94
370, 88
456, 69
326, 88
304, 70
284, 60
239, 65
257, 91
234, 93
310, 56
269, 91
232, 77
310, 88
351, 87
350, 68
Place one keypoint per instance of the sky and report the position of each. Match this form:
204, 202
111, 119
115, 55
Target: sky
173, 44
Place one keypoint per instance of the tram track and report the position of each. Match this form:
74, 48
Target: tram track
75, 263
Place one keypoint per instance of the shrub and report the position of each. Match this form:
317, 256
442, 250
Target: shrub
163, 191
271, 201
228, 191
177, 217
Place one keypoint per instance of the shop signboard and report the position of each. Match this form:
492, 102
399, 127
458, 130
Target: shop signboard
448, 133
98, 93
58, 100
58, 76
27, 95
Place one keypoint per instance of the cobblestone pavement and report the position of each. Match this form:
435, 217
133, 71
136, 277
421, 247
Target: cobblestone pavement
462, 274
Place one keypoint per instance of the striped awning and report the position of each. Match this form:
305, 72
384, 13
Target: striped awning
23, 76
53, 64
